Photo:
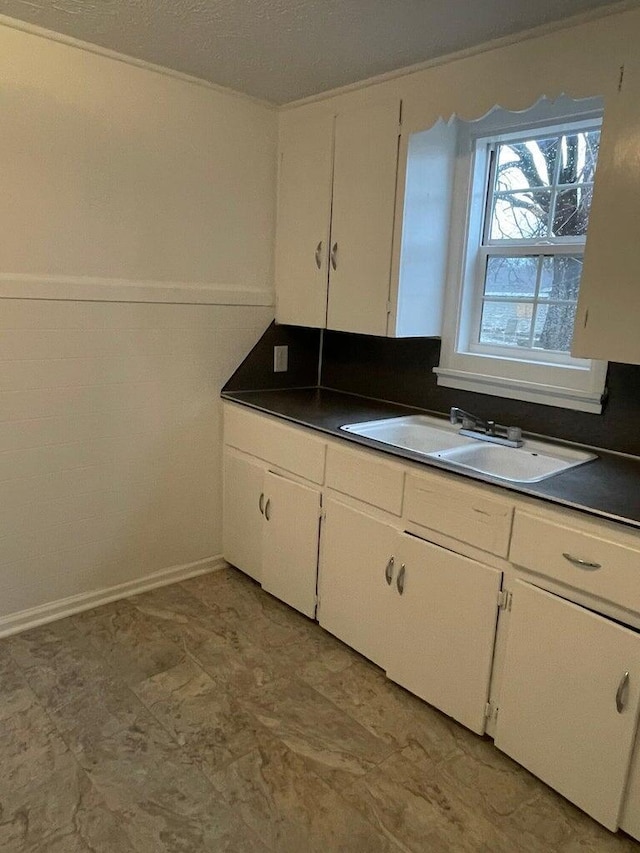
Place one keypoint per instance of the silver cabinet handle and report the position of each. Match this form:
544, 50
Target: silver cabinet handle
266, 509
400, 579
388, 572
261, 503
587, 565
318, 254
334, 256
621, 693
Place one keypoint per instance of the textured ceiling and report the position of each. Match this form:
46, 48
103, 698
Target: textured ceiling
282, 50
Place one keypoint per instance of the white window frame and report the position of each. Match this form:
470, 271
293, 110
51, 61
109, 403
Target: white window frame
534, 375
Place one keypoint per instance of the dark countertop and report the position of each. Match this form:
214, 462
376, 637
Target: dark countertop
608, 487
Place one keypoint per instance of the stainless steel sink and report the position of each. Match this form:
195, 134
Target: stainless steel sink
435, 439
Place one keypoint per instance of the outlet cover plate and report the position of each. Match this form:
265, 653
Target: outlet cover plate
280, 359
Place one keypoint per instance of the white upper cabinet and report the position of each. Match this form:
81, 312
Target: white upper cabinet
336, 201
609, 305
369, 185
363, 217
304, 211
364, 192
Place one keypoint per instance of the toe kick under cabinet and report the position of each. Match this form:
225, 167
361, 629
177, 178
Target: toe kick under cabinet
512, 616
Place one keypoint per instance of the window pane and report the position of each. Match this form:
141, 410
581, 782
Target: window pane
521, 216
511, 276
506, 323
525, 165
554, 327
578, 156
560, 277
571, 214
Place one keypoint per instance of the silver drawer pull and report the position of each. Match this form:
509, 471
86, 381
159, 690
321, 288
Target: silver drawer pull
622, 692
334, 257
261, 503
400, 579
266, 509
318, 255
388, 572
583, 564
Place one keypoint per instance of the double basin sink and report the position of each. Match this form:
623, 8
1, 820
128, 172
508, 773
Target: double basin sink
430, 437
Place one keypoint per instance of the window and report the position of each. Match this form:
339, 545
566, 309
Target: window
522, 226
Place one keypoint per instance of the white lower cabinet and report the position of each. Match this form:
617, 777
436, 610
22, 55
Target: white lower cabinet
565, 686
243, 507
424, 614
290, 542
569, 699
271, 528
443, 628
355, 578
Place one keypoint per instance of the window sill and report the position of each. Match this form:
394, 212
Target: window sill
531, 392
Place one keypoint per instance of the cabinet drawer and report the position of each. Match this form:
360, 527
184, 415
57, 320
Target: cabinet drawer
463, 513
289, 448
365, 477
553, 549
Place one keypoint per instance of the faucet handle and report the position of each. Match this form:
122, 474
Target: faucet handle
514, 433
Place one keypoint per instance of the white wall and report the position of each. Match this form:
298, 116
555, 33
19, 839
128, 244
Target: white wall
119, 184
115, 171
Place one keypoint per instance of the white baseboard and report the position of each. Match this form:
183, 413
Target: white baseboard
34, 616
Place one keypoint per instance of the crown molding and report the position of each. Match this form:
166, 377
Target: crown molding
485, 47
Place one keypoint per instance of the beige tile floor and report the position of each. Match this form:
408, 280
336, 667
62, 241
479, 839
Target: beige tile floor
207, 716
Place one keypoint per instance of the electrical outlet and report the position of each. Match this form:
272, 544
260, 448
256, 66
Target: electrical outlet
280, 359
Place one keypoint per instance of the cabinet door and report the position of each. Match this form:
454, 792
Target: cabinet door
609, 304
444, 626
558, 715
364, 190
304, 211
242, 516
290, 542
356, 572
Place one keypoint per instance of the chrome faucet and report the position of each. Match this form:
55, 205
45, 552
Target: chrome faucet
470, 421
476, 427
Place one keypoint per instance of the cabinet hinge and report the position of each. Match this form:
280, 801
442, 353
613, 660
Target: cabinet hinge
504, 599
490, 710
323, 513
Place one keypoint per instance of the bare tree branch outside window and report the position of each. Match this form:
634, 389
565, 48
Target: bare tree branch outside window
540, 198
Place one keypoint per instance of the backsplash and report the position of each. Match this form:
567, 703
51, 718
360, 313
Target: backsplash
401, 371
256, 371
